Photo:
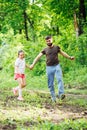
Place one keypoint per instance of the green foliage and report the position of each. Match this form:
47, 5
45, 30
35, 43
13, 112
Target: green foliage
67, 125
81, 45
76, 78
12, 15
76, 47
9, 49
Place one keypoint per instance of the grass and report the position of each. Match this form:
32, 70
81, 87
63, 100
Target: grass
66, 125
76, 91
76, 78
38, 112
73, 80
80, 124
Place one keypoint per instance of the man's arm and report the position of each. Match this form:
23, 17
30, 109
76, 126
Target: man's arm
36, 60
66, 55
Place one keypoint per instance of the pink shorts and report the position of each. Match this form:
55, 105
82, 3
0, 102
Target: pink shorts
16, 76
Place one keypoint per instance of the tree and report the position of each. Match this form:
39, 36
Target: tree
13, 14
82, 16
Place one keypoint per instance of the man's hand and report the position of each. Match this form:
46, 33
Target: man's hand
31, 66
72, 58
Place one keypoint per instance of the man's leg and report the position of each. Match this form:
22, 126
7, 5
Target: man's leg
59, 78
50, 75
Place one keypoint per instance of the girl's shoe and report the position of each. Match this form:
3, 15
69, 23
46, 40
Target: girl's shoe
20, 98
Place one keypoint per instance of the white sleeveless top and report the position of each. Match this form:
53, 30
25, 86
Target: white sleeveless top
20, 63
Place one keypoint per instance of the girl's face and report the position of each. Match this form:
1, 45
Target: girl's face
21, 55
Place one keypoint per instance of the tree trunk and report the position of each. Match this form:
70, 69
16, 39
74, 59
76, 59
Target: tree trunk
31, 22
20, 31
76, 25
32, 1
25, 25
82, 16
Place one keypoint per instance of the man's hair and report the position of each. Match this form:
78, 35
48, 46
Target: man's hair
48, 37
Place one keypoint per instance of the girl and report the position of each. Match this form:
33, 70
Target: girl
20, 74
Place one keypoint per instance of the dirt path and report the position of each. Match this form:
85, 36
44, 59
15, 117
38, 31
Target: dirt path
40, 108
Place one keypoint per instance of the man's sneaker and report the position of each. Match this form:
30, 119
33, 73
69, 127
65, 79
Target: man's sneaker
15, 91
20, 98
62, 96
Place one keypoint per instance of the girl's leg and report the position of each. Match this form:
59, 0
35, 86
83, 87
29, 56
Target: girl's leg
15, 90
20, 88
23, 82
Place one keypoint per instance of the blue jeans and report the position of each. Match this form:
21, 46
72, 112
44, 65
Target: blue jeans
51, 72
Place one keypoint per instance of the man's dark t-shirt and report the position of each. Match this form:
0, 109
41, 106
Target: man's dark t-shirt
51, 55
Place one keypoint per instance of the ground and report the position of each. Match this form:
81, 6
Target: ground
38, 107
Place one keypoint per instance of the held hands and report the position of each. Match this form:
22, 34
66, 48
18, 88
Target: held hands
72, 58
31, 66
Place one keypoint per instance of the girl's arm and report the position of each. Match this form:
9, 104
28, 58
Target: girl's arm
27, 66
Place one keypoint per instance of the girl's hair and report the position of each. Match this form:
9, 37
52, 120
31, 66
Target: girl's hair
20, 51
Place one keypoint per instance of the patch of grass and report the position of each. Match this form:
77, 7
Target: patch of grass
40, 82
76, 78
33, 82
30, 124
76, 91
37, 82
78, 101
80, 124
11, 124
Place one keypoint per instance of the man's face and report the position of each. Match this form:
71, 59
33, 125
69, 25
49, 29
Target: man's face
49, 42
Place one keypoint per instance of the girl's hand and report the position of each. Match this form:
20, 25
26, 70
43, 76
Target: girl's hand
27, 66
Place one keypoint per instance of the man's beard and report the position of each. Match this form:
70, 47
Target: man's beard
50, 44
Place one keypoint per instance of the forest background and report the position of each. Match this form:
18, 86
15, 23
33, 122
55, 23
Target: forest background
25, 24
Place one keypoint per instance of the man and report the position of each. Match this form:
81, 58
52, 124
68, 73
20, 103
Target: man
52, 66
